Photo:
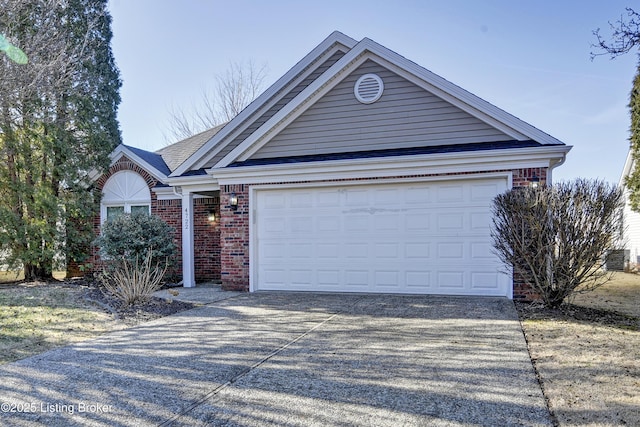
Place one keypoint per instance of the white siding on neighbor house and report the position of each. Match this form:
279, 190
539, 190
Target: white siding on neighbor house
631, 231
277, 107
406, 116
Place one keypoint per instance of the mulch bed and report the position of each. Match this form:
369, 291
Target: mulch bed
135, 313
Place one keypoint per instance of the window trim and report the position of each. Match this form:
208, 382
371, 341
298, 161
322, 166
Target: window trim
127, 208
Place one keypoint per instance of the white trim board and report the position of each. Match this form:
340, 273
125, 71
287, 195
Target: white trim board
333, 42
426, 164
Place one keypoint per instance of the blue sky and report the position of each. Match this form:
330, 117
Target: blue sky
530, 58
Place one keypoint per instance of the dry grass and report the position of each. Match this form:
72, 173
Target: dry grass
38, 317
588, 358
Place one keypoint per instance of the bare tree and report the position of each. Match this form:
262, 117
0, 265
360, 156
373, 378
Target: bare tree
556, 238
233, 91
625, 35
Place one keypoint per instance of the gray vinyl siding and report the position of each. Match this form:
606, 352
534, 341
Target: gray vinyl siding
276, 107
406, 116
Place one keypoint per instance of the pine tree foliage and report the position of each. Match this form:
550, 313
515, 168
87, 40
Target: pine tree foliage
633, 180
625, 37
57, 124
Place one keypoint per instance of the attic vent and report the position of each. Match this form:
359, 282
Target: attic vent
368, 88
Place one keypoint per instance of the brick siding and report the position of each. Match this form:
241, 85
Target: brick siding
206, 234
234, 232
221, 248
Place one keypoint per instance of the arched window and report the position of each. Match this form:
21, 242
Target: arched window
124, 192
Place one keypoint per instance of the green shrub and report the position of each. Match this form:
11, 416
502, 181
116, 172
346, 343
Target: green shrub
130, 236
136, 250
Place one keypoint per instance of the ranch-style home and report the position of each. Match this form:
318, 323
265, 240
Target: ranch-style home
357, 171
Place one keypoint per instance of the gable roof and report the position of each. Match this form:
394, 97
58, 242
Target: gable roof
175, 154
161, 163
355, 54
154, 160
335, 42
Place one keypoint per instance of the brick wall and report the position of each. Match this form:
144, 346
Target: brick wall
170, 211
522, 290
206, 234
234, 233
234, 238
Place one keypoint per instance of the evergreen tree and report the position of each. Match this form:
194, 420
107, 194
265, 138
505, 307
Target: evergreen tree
625, 37
57, 124
633, 180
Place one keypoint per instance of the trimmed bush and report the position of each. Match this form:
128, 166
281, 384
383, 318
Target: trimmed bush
557, 237
136, 250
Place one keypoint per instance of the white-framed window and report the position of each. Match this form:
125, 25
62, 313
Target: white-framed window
124, 192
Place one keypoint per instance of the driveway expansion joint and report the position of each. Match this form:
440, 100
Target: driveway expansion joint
246, 371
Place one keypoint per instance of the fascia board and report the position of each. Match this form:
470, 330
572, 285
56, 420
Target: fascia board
627, 169
455, 94
293, 109
263, 107
194, 183
122, 151
472, 161
205, 152
171, 193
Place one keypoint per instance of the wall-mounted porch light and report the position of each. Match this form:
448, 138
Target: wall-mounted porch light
211, 215
534, 182
233, 201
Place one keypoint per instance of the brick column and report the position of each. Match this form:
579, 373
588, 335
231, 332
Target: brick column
234, 238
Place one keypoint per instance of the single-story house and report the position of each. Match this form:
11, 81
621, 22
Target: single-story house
631, 219
356, 171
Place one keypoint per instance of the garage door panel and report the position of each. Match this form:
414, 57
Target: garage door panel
431, 237
448, 280
419, 251
485, 280
417, 222
481, 251
450, 193
357, 198
418, 281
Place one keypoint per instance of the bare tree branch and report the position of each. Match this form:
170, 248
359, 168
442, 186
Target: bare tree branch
233, 91
625, 35
556, 238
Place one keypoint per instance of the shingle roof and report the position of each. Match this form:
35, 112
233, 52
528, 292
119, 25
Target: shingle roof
480, 146
175, 154
154, 159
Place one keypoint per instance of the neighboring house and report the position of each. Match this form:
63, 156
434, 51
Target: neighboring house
631, 219
356, 171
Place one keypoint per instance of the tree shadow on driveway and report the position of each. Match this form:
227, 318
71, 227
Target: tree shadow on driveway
293, 359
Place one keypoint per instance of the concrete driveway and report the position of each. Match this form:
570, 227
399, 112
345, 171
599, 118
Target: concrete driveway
293, 360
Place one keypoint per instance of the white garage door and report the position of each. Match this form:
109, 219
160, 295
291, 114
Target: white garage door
424, 238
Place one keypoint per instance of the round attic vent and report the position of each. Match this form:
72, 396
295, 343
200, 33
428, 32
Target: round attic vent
368, 88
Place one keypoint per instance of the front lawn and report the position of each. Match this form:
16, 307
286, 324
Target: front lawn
36, 317
587, 355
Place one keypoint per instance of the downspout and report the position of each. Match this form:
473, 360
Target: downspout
551, 168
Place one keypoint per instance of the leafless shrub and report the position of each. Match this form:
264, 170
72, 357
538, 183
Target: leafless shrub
134, 280
557, 237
